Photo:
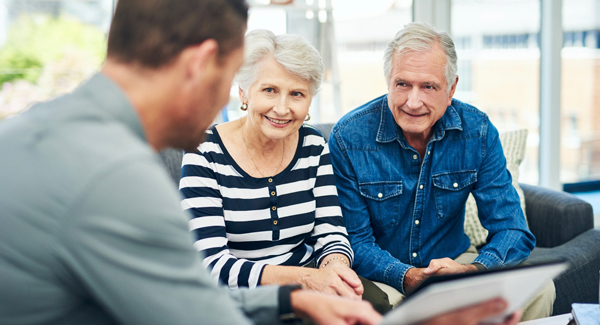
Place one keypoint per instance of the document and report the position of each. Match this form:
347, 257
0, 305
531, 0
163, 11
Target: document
439, 295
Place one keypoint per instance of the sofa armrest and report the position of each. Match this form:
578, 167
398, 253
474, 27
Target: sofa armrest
579, 283
555, 217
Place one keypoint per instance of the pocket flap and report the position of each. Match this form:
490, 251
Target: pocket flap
455, 181
380, 191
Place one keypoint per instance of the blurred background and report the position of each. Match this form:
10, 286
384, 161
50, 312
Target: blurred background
48, 47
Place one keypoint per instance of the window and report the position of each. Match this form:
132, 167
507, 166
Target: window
48, 47
499, 69
580, 98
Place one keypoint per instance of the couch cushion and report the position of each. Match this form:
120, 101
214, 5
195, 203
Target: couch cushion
513, 145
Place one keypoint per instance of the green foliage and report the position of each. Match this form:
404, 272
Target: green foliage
34, 41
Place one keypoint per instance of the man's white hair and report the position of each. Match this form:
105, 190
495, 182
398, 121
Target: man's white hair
419, 37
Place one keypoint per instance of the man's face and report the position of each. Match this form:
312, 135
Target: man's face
212, 95
418, 92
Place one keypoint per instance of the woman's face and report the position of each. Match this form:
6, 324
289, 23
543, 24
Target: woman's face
277, 101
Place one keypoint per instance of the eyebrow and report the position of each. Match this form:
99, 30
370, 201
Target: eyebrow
269, 85
427, 83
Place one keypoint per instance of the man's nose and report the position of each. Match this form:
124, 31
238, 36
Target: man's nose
414, 98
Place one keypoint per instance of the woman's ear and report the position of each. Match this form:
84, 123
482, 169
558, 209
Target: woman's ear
243, 98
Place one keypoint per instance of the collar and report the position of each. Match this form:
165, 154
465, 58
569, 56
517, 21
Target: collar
390, 131
112, 102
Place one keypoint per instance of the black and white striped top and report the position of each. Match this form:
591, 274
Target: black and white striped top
242, 223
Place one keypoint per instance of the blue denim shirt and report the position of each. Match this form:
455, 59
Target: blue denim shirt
400, 213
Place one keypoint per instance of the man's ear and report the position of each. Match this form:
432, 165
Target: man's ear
199, 59
452, 91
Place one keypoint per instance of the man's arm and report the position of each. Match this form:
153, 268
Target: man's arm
127, 242
370, 260
509, 239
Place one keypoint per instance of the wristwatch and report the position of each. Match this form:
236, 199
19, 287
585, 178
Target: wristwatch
286, 312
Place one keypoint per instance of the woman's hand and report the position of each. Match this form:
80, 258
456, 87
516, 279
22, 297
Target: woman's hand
337, 280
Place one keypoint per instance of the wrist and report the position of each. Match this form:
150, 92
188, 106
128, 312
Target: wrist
334, 260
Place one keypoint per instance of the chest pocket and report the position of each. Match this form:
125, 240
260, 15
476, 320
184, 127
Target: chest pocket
383, 202
451, 191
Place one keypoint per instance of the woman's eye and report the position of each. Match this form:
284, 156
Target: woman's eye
297, 94
269, 90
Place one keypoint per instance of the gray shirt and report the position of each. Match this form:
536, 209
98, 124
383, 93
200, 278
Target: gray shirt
91, 230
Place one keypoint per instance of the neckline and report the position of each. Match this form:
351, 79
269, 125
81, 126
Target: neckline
278, 176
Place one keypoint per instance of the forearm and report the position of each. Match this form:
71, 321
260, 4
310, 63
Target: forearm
285, 275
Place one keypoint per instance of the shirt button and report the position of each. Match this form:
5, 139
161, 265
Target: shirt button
274, 208
275, 222
416, 222
414, 254
421, 186
270, 180
273, 193
455, 185
380, 195
415, 157
428, 152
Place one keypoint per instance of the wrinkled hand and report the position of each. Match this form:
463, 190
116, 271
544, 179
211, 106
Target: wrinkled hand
333, 279
333, 310
446, 265
475, 314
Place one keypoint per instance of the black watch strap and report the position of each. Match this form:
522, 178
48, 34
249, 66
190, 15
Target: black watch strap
286, 313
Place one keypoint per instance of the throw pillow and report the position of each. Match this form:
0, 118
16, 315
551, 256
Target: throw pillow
513, 145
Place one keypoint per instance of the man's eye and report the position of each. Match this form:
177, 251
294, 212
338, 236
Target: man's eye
401, 84
269, 90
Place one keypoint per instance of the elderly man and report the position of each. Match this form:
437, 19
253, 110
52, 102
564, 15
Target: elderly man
405, 164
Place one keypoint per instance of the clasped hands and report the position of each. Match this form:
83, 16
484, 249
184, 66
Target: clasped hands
335, 278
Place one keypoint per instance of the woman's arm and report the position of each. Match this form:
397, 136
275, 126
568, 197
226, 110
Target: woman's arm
203, 200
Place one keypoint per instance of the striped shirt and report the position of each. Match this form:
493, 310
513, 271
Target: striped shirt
242, 223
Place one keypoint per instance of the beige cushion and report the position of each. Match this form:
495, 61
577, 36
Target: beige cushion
513, 145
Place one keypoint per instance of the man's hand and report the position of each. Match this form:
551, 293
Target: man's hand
446, 265
334, 279
475, 314
415, 276
328, 309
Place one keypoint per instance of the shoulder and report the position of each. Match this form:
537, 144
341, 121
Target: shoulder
472, 121
469, 114
362, 116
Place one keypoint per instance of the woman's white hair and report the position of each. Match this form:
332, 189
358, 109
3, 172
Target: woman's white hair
293, 52
419, 37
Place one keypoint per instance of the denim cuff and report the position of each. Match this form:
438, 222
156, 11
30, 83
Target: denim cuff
394, 275
487, 260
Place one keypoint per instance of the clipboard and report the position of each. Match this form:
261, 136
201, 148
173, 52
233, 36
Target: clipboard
441, 294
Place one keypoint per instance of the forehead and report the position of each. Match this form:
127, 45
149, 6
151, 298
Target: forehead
270, 71
426, 62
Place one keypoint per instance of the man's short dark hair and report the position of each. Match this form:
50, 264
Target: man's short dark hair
153, 32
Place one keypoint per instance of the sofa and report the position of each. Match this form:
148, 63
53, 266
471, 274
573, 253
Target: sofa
562, 223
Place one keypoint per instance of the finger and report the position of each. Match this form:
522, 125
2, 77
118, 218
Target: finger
344, 290
349, 277
487, 309
433, 267
514, 318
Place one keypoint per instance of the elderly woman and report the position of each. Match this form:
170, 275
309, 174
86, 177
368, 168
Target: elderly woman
261, 189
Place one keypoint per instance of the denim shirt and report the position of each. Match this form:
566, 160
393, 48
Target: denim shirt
401, 214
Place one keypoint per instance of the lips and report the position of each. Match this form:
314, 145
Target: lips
414, 115
278, 121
